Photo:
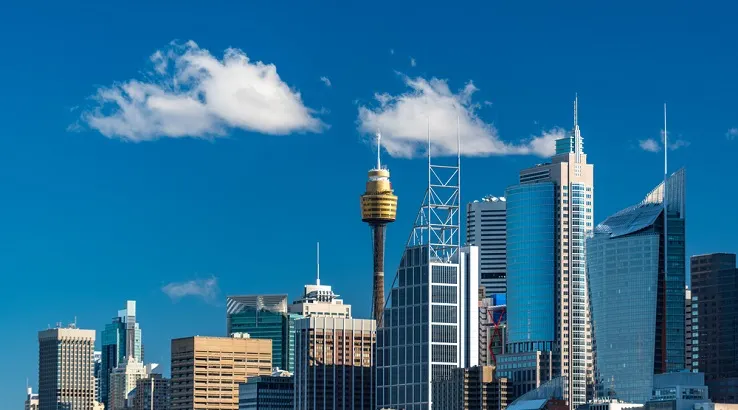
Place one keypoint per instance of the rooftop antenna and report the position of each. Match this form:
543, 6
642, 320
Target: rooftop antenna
318, 265
379, 149
665, 200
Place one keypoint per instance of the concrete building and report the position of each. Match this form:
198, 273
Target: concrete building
264, 317
486, 227
97, 360
152, 393
549, 215
715, 285
65, 369
678, 391
123, 381
206, 371
319, 300
120, 339
334, 366
691, 338
474, 388
31, 400
637, 305
275, 392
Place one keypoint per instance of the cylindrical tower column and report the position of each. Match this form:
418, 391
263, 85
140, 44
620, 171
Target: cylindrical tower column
378, 232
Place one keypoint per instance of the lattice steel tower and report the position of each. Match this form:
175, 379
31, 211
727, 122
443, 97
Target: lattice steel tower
378, 208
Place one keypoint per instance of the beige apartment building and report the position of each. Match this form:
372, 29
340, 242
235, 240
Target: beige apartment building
206, 371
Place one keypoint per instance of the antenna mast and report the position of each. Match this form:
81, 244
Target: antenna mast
317, 266
379, 149
665, 200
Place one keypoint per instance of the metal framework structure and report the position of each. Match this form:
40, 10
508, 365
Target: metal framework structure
496, 325
438, 223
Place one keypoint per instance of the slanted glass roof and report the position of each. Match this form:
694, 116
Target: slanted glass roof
630, 220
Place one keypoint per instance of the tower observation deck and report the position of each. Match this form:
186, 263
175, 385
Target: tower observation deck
378, 208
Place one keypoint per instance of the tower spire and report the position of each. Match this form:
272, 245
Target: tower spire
379, 149
317, 265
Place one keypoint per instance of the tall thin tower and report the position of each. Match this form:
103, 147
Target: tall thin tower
378, 208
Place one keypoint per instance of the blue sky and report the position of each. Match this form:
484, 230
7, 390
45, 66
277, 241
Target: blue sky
90, 220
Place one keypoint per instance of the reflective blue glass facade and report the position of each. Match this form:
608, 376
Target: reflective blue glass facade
530, 266
637, 301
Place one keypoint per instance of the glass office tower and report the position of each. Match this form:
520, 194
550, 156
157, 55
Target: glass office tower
264, 317
120, 339
637, 306
530, 255
430, 328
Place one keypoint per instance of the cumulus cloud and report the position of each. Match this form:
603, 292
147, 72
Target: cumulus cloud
326, 81
403, 120
188, 92
652, 145
413, 63
732, 133
205, 289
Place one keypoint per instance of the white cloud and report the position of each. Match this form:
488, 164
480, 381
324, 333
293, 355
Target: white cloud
413, 63
191, 93
732, 133
392, 51
403, 120
649, 145
326, 81
205, 289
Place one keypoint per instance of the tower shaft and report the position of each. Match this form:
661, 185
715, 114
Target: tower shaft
378, 234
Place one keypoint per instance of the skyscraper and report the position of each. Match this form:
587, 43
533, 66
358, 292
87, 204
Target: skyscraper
275, 392
334, 366
120, 339
31, 400
264, 317
431, 324
549, 214
715, 286
691, 338
65, 369
152, 393
486, 227
378, 208
472, 388
637, 304
123, 381
206, 371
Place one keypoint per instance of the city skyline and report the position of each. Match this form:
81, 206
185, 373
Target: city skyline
178, 224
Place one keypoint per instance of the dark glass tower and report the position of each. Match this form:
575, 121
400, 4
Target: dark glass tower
265, 317
637, 305
715, 285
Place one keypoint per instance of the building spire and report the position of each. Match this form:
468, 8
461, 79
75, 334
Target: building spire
576, 101
379, 149
317, 266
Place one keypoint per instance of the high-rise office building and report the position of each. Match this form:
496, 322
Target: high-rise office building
264, 317
152, 393
275, 392
334, 354
123, 381
691, 338
31, 400
206, 371
715, 285
472, 388
65, 369
97, 360
431, 324
549, 215
120, 339
486, 227
638, 305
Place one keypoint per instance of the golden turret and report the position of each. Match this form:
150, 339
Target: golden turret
378, 204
